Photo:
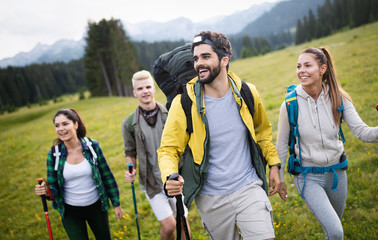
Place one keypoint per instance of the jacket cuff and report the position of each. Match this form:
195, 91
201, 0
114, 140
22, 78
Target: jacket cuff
277, 165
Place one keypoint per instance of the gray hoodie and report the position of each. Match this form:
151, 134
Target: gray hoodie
319, 135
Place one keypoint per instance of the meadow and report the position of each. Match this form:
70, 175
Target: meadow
27, 135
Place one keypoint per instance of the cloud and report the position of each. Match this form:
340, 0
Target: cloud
24, 23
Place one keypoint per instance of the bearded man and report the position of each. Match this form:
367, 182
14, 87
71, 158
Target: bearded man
222, 169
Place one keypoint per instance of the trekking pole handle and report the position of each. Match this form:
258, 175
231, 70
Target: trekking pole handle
180, 218
173, 176
130, 166
40, 180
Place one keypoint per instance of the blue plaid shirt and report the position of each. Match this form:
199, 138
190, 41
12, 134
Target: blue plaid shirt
102, 175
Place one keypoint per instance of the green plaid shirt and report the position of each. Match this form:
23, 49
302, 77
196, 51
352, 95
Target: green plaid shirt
102, 175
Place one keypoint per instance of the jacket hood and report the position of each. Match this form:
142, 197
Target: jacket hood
323, 97
302, 93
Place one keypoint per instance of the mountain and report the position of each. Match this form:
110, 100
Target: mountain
184, 29
258, 20
149, 31
283, 16
235, 23
63, 50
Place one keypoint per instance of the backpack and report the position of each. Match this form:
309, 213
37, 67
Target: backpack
294, 165
172, 70
56, 150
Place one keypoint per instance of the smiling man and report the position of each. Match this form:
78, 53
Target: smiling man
141, 134
223, 171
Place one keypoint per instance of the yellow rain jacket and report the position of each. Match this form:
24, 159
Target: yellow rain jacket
176, 140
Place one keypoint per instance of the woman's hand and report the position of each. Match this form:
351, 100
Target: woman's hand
119, 212
41, 189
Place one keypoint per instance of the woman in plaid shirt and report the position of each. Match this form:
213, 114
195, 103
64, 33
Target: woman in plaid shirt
81, 182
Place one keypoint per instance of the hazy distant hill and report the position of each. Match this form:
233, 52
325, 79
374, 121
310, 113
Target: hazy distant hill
63, 50
184, 29
149, 31
282, 16
258, 20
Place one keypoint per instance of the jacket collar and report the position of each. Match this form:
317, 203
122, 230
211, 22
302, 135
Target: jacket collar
197, 92
162, 109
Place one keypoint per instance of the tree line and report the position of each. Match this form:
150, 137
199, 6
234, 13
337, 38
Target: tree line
333, 16
20, 86
249, 47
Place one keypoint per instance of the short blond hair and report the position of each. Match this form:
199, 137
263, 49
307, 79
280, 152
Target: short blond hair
141, 75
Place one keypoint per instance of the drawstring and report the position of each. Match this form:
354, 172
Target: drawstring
327, 112
310, 108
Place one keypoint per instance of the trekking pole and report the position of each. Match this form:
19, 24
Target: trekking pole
43, 197
130, 166
180, 215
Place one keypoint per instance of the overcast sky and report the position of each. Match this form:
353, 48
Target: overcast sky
24, 23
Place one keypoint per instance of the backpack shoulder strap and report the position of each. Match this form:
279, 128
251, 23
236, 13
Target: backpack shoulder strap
130, 123
186, 104
89, 143
341, 109
248, 97
56, 150
292, 113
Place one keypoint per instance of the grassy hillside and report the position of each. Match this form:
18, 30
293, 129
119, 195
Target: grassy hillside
26, 136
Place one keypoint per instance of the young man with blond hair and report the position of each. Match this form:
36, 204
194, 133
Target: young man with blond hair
141, 134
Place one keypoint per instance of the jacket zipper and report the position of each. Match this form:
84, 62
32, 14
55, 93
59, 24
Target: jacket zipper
320, 127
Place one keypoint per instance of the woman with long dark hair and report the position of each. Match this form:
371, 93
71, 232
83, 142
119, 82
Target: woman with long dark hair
79, 180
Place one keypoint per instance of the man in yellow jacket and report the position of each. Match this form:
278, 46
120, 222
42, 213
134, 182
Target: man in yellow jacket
223, 171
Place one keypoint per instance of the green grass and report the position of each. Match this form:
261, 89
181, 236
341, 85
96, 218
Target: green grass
26, 136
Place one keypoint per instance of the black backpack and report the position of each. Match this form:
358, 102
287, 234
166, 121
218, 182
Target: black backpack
172, 70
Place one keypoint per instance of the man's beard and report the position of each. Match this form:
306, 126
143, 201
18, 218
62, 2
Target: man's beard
213, 74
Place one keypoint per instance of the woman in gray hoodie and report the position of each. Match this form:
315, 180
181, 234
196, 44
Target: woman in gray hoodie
319, 96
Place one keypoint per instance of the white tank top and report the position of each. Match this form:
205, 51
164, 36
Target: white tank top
79, 186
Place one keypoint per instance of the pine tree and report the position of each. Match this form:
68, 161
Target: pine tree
110, 59
299, 35
311, 25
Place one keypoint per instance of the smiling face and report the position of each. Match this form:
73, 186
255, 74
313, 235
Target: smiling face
309, 71
206, 63
144, 90
65, 128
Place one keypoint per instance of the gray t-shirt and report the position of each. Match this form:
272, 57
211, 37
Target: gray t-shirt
230, 165
152, 137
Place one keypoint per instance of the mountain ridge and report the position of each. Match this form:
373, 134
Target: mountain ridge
66, 50
255, 21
